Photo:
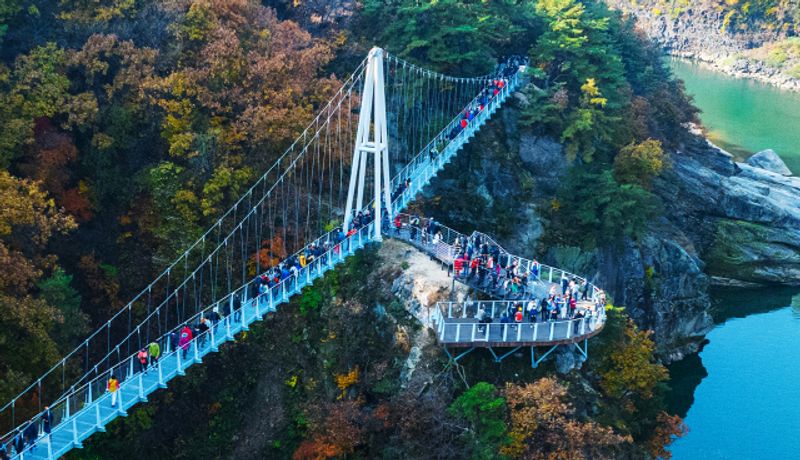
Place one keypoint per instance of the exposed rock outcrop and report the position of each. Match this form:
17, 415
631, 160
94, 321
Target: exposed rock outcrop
770, 161
744, 219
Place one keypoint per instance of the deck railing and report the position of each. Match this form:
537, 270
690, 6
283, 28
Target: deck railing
464, 328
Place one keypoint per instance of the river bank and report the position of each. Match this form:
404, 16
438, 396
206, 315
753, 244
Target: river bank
702, 33
743, 116
737, 66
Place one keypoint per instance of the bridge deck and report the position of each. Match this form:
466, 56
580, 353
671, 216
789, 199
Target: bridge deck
86, 410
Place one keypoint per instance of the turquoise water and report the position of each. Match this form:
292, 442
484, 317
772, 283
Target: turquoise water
741, 392
744, 116
740, 396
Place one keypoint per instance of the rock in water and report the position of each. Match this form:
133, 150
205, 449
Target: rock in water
769, 160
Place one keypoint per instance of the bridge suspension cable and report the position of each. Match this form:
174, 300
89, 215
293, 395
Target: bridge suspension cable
300, 196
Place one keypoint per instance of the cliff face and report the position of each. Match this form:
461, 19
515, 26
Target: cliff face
721, 219
703, 31
744, 219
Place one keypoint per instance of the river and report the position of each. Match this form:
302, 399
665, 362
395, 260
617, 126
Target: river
739, 396
744, 116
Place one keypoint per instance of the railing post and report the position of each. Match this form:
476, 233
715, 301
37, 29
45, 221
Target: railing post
550, 278
474, 327
271, 300
89, 393
552, 329
583, 326
450, 310
141, 387
519, 332
75, 441
196, 351
569, 328
98, 419
161, 373
67, 409
458, 332
258, 306
505, 332
121, 407
178, 356
535, 331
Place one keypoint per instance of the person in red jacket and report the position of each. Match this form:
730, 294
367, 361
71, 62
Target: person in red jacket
473, 266
184, 339
458, 266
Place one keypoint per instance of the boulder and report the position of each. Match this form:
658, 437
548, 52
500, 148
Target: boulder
769, 160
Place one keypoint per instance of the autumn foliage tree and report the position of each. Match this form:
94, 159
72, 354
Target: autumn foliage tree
631, 371
544, 425
634, 384
639, 163
29, 219
336, 430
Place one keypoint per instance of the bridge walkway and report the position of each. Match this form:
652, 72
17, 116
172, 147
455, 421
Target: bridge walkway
86, 409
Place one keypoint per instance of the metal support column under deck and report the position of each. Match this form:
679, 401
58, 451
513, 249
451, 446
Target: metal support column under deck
535, 362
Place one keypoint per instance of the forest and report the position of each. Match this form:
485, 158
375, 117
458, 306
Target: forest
129, 126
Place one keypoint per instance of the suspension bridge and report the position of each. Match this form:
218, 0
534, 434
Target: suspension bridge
305, 215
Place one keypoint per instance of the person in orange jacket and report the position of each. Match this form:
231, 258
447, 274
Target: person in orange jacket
113, 387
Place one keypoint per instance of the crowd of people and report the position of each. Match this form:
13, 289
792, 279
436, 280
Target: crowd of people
487, 95
28, 434
480, 263
147, 357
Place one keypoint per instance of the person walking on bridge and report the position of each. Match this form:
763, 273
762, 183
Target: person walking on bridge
154, 352
47, 420
184, 339
113, 387
19, 442
141, 355
532, 310
31, 432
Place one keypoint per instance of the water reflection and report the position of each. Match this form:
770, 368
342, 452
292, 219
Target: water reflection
738, 395
727, 303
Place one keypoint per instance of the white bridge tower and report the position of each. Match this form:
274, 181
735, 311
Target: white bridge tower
371, 138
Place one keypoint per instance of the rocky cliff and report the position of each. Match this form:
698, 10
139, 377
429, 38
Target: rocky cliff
744, 219
703, 31
722, 221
